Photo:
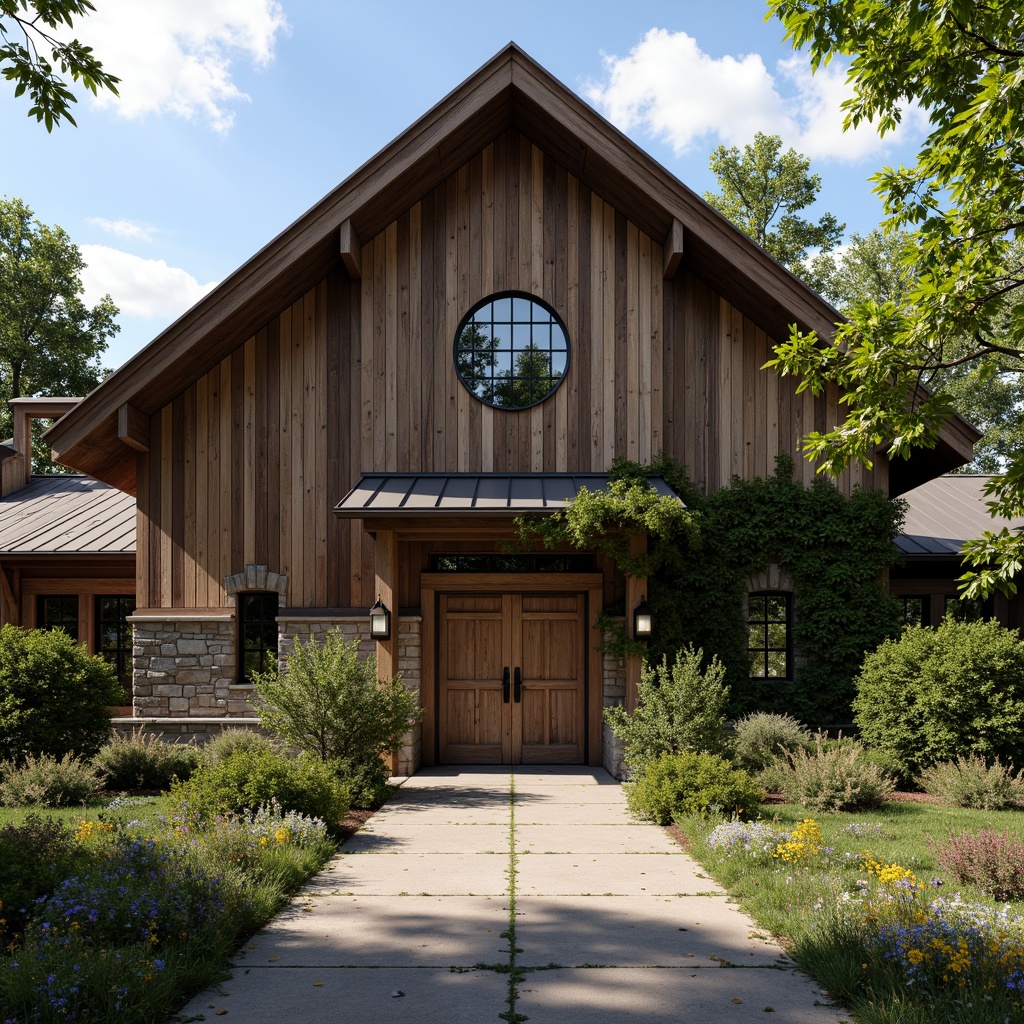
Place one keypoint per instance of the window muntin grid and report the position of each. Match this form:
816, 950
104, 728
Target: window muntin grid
257, 627
114, 632
511, 350
769, 627
58, 611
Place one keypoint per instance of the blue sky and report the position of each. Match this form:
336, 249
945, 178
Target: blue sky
236, 116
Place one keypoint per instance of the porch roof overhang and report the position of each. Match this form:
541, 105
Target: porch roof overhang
470, 496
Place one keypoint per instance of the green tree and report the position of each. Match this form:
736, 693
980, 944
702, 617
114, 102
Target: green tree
883, 267
763, 191
962, 62
50, 341
28, 28
531, 381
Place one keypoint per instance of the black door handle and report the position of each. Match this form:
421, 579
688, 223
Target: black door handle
519, 686
504, 686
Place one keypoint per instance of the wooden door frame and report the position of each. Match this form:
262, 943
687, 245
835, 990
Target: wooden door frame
591, 584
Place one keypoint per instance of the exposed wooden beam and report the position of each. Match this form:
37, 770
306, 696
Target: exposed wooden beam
133, 427
673, 249
351, 251
13, 610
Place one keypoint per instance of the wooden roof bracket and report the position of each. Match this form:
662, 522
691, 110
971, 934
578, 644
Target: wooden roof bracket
133, 427
672, 249
351, 252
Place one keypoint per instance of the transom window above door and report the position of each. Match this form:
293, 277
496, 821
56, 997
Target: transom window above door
511, 350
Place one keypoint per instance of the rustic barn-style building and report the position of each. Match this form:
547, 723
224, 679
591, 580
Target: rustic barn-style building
474, 324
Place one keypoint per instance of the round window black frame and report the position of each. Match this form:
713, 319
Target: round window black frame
555, 319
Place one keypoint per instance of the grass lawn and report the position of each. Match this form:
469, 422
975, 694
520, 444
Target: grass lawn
861, 901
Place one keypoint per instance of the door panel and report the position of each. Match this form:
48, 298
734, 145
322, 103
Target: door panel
537, 644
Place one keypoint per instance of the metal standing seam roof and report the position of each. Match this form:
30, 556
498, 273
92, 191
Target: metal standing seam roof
478, 493
946, 512
67, 515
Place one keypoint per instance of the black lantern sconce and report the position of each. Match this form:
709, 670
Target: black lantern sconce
380, 622
643, 621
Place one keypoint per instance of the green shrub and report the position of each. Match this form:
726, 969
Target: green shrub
972, 782
678, 708
675, 785
145, 761
329, 703
53, 694
832, 776
992, 862
761, 736
249, 779
47, 782
226, 743
936, 694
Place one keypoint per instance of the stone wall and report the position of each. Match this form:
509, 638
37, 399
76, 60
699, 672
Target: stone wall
292, 626
184, 667
614, 694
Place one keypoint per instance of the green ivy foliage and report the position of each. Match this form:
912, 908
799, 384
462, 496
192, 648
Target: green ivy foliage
834, 549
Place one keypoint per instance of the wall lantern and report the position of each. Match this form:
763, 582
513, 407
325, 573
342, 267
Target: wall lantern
643, 621
380, 622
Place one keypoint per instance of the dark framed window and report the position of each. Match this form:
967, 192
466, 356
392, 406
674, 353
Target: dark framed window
769, 634
114, 633
257, 634
529, 562
511, 350
970, 610
915, 609
58, 611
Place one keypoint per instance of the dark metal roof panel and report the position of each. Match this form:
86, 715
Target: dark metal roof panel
71, 515
946, 512
478, 493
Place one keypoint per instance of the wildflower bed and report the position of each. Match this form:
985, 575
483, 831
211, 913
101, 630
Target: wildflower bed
128, 915
886, 935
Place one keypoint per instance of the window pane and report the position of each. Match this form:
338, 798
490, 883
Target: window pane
913, 611
777, 636
777, 664
757, 665
757, 637
777, 608
756, 608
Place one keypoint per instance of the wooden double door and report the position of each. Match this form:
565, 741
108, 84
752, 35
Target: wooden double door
512, 678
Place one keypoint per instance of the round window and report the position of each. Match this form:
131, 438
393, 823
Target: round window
511, 350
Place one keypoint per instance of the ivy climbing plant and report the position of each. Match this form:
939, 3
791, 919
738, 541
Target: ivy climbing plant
702, 551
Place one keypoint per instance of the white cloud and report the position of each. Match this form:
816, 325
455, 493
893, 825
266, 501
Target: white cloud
123, 228
139, 287
175, 56
669, 88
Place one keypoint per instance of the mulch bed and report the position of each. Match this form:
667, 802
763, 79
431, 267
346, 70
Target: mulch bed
354, 821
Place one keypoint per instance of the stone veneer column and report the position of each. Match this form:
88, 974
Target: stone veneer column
301, 624
614, 694
184, 666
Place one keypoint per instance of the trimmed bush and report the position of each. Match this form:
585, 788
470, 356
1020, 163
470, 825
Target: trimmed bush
761, 736
992, 862
53, 694
676, 785
226, 743
971, 782
45, 781
330, 704
145, 761
678, 708
831, 776
937, 694
249, 779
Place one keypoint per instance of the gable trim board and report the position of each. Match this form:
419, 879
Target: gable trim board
511, 90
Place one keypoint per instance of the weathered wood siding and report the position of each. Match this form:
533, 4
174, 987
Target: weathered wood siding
246, 463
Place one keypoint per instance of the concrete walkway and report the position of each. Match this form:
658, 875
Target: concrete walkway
411, 922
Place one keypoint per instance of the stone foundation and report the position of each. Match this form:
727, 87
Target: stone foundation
356, 627
200, 730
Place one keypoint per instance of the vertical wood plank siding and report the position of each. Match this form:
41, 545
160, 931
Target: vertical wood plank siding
247, 462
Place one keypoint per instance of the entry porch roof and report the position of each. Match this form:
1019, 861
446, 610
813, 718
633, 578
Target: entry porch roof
487, 494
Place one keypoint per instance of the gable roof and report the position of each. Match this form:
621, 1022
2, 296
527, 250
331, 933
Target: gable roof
510, 90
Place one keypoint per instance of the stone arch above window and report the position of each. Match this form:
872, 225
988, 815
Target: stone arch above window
256, 577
